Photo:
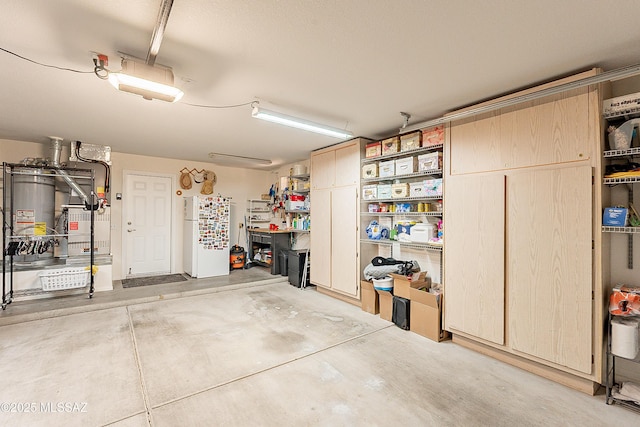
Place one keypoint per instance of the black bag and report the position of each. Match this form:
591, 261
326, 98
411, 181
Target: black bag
400, 314
378, 261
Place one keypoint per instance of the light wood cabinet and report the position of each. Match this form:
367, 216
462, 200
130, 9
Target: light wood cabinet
474, 254
519, 267
335, 188
549, 264
542, 132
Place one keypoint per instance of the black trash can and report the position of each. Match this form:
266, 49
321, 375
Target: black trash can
284, 263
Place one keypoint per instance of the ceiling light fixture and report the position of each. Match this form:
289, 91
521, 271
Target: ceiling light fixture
149, 81
283, 119
239, 159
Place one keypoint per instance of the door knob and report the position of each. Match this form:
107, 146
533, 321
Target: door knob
131, 229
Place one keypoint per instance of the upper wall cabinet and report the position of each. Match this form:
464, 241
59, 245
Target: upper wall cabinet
554, 129
335, 168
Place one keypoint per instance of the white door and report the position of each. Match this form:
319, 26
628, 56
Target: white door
147, 224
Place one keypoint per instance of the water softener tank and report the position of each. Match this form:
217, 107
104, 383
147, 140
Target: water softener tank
33, 207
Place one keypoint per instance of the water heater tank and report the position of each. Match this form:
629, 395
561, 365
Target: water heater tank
33, 206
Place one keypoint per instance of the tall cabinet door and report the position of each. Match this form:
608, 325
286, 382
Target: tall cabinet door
345, 240
347, 167
550, 265
323, 171
320, 243
474, 256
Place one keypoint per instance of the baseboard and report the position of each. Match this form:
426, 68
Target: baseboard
581, 384
337, 295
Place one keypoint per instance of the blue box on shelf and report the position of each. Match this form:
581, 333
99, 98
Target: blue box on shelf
615, 217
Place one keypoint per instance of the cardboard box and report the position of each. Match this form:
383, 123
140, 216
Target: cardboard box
417, 189
407, 165
433, 187
390, 145
387, 169
369, 192
370, 170
426, 313
400, 190
430, 161
410, 141
385, 303
384, 191
369, 298
373, 149
433, 136
402, 284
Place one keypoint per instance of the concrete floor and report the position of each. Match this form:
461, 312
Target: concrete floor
265, 354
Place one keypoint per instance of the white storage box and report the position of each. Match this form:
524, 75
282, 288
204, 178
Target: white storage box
66, 278
406, 165
387, 169
384, 191
294, 205
370, 170
430, 161
422, 233
369, 192
417, 189
399, 190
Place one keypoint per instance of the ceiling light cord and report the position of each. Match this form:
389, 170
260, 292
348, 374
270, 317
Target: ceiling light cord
44, 65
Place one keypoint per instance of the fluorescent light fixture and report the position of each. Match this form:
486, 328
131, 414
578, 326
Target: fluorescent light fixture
283, 119
231, 158
151, 82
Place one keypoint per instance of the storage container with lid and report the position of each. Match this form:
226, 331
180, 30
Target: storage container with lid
370, 170
390, 145
399, 190
406, 165
384, 191
387, 169
410, 141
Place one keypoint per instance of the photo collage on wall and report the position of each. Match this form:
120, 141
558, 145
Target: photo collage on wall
213, 222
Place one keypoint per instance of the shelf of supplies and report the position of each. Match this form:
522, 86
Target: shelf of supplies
412, 245
260, 220
259, 201
403, 153
295, 230
259, 210
297, 211
624, 230
391, 214
409, 175
403, 199
621, 153
621, 180
306, 190
622, 114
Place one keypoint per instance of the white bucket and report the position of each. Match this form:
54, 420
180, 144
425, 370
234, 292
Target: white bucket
384, 284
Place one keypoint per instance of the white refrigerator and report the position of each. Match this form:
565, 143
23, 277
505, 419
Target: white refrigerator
206, 236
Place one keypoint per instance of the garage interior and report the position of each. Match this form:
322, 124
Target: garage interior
522, 273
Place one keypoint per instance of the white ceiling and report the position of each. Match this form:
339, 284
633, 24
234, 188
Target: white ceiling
352, 64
